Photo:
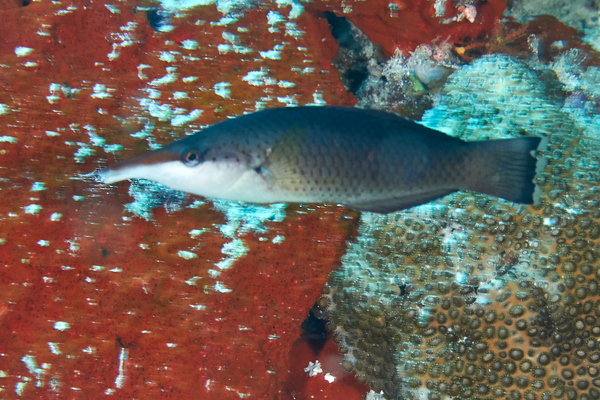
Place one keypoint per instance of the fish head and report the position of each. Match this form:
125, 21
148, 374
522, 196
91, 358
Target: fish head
192, 165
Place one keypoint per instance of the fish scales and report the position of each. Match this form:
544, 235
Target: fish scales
366, 159
355, 150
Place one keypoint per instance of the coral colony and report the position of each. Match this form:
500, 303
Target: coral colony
472, 297
135, 291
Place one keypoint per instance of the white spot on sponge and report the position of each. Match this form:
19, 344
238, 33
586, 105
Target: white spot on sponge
23, 51
61, 326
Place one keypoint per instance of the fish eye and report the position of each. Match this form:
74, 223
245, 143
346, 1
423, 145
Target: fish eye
191, 158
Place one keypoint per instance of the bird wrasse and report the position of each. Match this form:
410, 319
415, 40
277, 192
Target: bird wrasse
364, 159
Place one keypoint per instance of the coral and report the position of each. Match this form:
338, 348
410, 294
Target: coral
403, 84
579, 14
502, 40
583, 83
542, 37
357, 57
377, 81
149, 195
519, 98
475, 297
430, 64
95, 301
319, 375
405, 24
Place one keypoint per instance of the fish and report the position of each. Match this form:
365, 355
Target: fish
364, 159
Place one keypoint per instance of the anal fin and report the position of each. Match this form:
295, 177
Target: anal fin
391, 204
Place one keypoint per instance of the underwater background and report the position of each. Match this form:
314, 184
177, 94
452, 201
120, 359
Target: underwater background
137, 291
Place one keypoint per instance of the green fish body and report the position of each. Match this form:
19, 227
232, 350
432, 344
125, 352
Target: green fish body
365, 159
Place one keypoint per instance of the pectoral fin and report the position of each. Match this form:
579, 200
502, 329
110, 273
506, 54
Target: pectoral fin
282, 162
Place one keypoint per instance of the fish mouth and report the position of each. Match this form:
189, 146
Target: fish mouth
136, 167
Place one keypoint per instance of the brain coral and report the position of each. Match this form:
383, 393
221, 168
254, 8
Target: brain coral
472, 296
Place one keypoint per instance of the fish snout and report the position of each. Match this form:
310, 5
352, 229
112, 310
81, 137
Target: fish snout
103, 175
137, 167
108, 175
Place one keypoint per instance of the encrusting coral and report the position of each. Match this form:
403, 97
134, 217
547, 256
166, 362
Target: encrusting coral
472, 296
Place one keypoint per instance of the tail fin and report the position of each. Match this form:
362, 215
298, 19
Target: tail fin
507, 167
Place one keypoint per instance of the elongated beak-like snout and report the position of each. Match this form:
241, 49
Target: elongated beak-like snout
139, 167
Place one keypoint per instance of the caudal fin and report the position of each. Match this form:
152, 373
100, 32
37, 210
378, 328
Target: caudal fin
507, 168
